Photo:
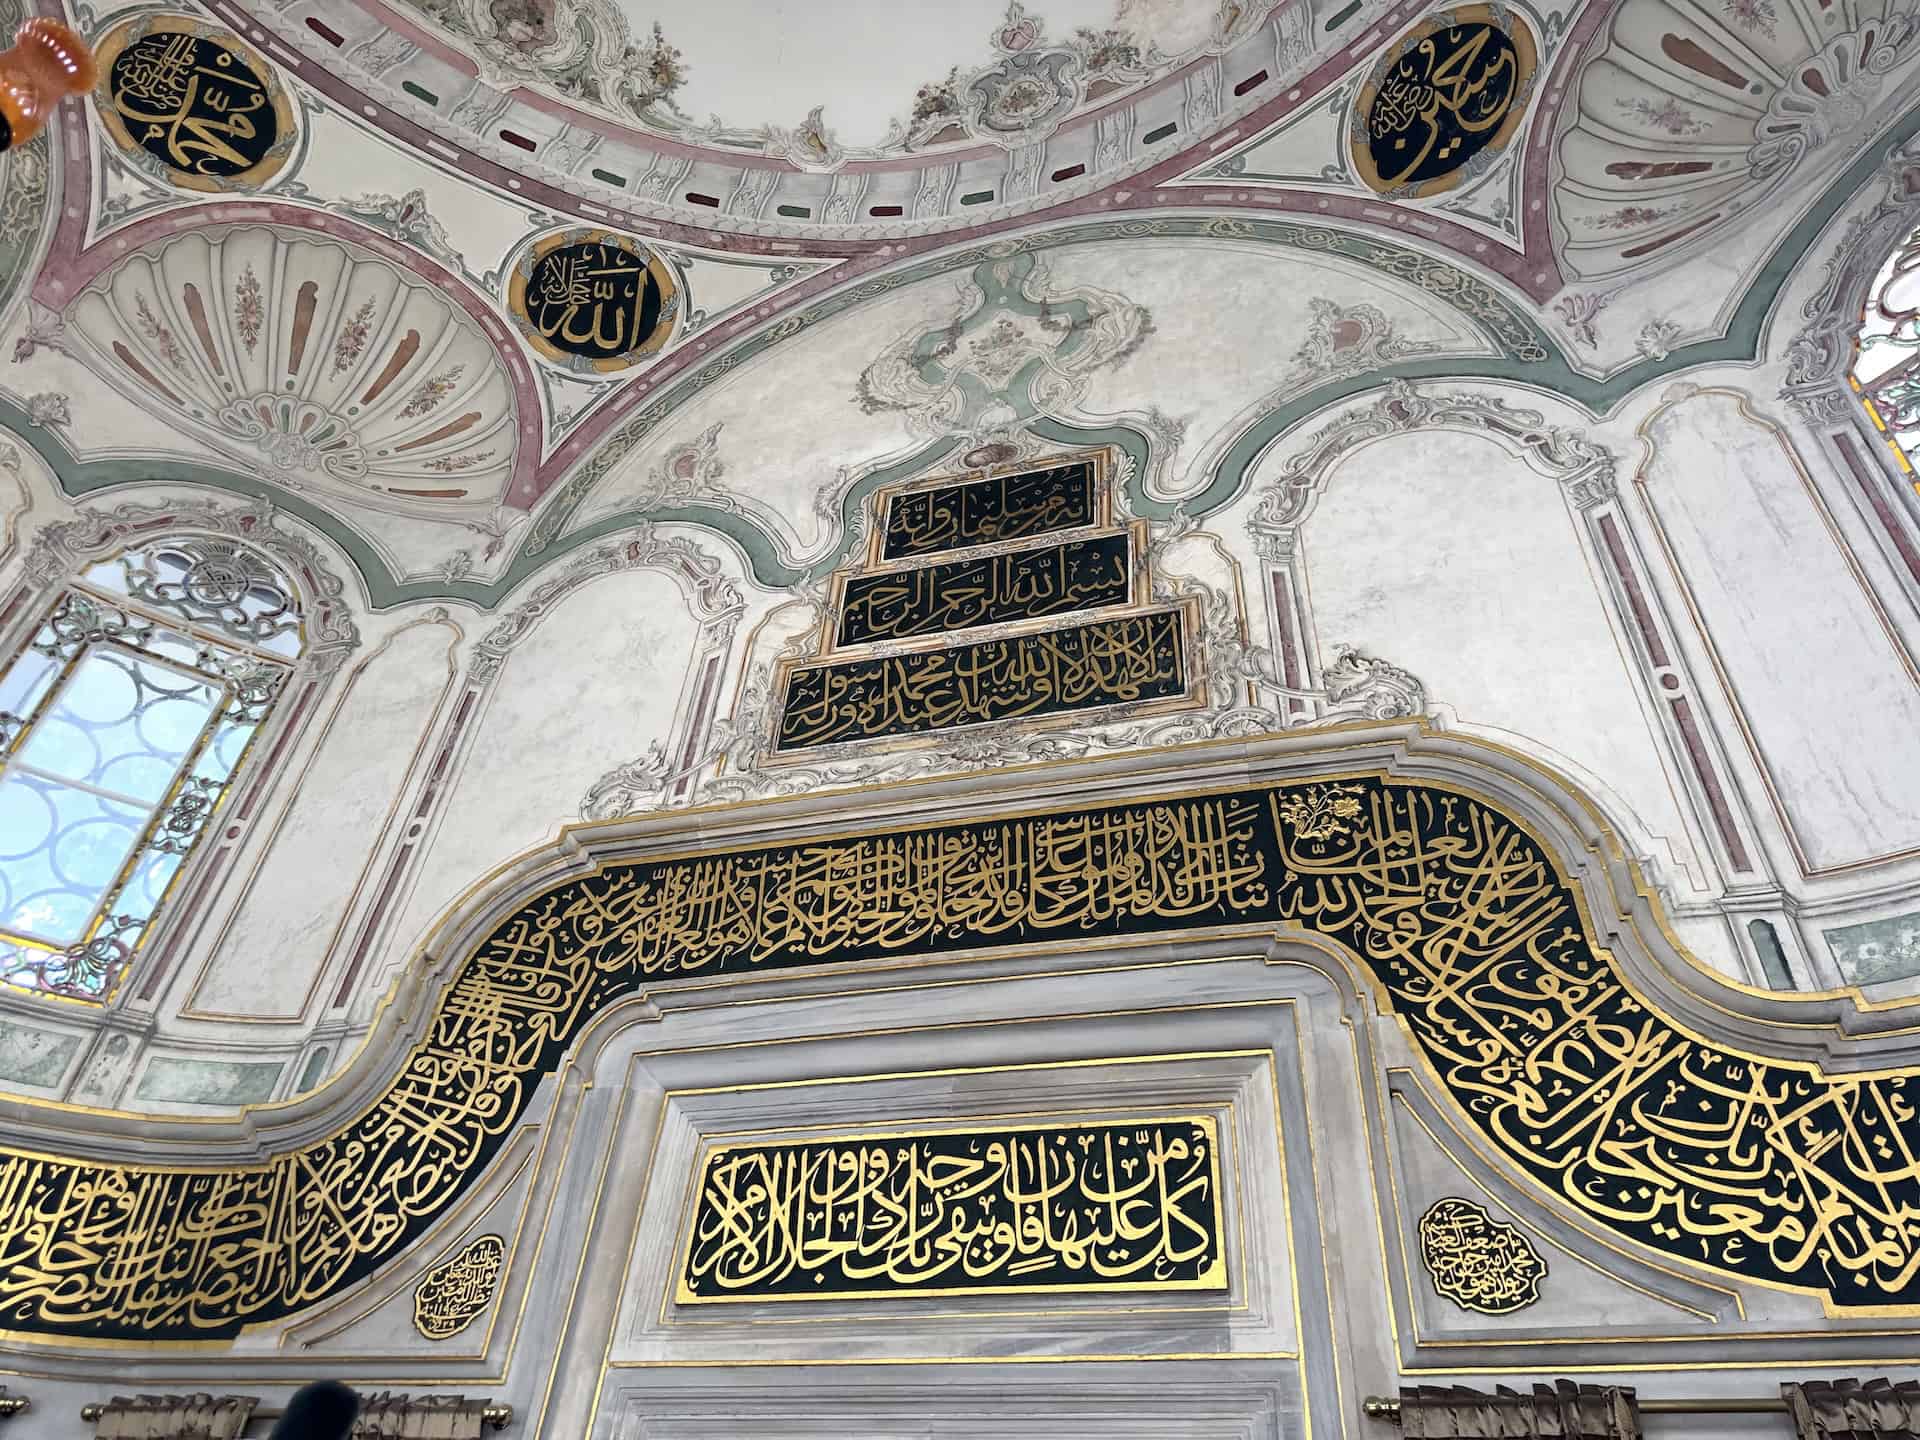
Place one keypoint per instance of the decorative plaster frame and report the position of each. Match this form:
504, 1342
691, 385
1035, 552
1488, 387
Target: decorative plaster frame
62, 550
1721, 828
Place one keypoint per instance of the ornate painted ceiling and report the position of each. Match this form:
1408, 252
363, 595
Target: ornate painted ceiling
445, 276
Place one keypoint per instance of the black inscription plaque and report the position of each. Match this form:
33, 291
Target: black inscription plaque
1077, 667
1119, 1205
979, 512
1452, 91
193, 104
988, 590
594, 300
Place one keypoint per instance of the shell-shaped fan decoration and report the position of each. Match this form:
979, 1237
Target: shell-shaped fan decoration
322, 360
1691, 115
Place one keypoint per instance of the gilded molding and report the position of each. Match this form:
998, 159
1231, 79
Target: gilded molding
1463, 917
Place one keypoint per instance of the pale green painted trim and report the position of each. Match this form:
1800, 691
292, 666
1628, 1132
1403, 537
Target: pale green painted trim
1527, 355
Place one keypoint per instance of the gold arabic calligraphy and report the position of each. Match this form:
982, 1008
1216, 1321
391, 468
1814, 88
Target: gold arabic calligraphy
1121, 1205
456, 1292
987, 590
1076, 667
1442, 102
595, 300
193, 104
1771, 1170
981, 512
1476, 1261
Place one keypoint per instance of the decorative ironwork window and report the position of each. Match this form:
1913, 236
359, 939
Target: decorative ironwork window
123, 721
1886, 356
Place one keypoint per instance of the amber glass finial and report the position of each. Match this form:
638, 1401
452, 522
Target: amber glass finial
48, 62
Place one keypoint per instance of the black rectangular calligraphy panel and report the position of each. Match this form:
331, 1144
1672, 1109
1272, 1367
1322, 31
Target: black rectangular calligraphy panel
980, 512
987, 590
1117, 1205
1056, 672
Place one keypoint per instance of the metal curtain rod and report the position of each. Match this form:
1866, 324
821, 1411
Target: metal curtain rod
1381, 1407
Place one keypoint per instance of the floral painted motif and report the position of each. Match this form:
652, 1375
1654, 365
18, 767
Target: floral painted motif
48, 409
159, 334
1322, 811
248, 312
1627, 217
937, 99
1109, 49
581, 50
432, 391
1657, 339
353, 336
1669, 115
450, 464
1578, 312
1751, 15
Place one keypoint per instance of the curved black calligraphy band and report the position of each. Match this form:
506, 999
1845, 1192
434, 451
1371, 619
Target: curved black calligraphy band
1771, 1171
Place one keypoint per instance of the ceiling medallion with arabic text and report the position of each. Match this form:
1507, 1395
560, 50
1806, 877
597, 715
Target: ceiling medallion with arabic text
1444, 103
593, 300
186, 102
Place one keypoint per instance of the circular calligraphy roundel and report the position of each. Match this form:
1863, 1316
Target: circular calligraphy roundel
593, 300
187, 102
1444, 102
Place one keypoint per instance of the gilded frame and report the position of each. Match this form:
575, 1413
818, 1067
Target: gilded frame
108, 49
1502, 18
667, 325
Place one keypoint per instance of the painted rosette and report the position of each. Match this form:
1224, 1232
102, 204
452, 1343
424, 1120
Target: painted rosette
593, 301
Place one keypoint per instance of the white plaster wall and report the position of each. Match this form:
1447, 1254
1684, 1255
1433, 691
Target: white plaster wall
1229, 321
295, 907
590, 687
1442, 552
790, 420
1811, 672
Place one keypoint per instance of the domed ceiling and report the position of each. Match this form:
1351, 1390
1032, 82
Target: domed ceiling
441, 268
736, 73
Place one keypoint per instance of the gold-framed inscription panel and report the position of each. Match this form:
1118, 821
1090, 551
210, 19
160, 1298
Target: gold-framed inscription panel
995, 561
918, 1211
191, 104
885, 503
1463, 916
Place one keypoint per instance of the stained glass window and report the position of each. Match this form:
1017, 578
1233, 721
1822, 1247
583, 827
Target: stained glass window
1886, 361
122, 724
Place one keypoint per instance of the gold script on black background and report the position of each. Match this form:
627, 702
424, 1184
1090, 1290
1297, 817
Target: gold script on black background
1768, 1170
1114, 1205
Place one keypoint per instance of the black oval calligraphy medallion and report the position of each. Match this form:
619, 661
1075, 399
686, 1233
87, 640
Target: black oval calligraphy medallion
1452, 91
189, 101
593, 300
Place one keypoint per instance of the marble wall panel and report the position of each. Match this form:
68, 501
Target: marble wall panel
208, 1082
32, 1056
295, 907
1819, 685
590, 687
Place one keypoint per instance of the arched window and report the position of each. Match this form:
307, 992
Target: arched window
123, 720
1886, 356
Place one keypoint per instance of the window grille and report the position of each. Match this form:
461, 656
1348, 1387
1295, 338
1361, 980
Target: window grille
123, 722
